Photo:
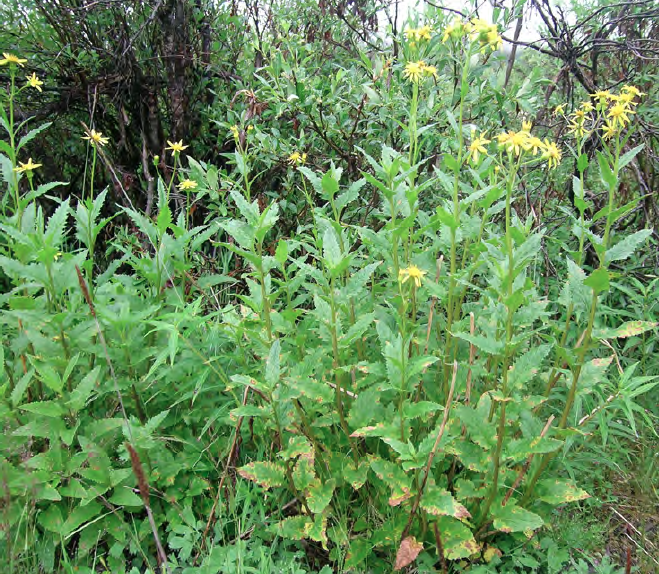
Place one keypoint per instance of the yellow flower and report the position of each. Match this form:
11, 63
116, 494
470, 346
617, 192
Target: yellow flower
29, 166
96, 138
578, 129
235, 131
11, 59
587, 107
187, 184
632, 90
176, 147
515, 141
456, 29
430, 71
526, 126
486, 34
602, 96
609, 130
250, 128
535, 144
414, 71
34, 82
297, 158
558, 110
412, 272
579, 115
424, 32
618, 114
477, 147
552, 154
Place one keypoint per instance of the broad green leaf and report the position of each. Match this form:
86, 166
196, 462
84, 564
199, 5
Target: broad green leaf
303, 473
440, 502
331, 250
629, 156
414, 410
164, 219
51, 519
293, 527
79, 516
393, 475
356, 477
319, 494
511, 518
265, 474
358, 551
457, 539
249, 411
297, 445
520, 449
317, 530
559, 491
598, 280
527, 366
125, 497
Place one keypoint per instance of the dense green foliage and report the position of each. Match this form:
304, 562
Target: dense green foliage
392, 308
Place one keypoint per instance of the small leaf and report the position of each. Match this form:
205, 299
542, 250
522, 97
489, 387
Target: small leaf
320, 494
45, 408
598, 280
407, 552
272, 368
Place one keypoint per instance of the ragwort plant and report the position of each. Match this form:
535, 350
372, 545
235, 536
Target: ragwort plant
394, 384
421, 347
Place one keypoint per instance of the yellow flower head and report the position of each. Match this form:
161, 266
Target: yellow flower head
11, 59
187, 184
578, 129
96, 138
34, 82
176, 147
515, 142
411, 272
456, 30
602, 97
535, 144
632, 90
609, 130
29, 166
297, 158
560, 109
235, 131
552, 154
429, 71
587, 107
477, 147
618, 114
418, 34
414, 71
486, 34
526, 126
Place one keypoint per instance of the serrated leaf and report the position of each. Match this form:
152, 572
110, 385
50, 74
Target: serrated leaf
511, 518
81, 393
79, 516
420, 409
51, 519
486, 344
627, 246
297, 445
319, 495
249, 411
50, 409
265, 474
393, 475
125, 497
331, 250
356, 477
304, 473
527, 366
440, 502
164, 219
558, 491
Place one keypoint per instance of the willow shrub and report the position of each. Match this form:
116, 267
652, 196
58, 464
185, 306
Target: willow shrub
399, 387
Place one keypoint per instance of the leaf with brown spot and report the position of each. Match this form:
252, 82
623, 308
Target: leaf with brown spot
440, 502
407, 552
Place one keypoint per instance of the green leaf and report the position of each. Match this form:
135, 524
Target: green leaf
440, 502
85, 387
249, 411
358, 551
393, 475
457, 539
29, 136
79, 516
598, 281
125, 497
627, 246
45, 408
330, 185
164, 219
607, 175
511, 518
558, 491
629, 156
320, 494
265, 474
486, 344
628, 329
272, 366
356, 477
415, 410
293, 527
51, 519
331, 250
297, 445
303, 473
527, 366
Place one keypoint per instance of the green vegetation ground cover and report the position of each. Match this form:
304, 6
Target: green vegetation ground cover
395, 360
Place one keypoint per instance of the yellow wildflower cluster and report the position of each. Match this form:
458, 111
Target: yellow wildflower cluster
411, 272
521, 142
11, 59
487, 35
611, 111
415, 71
297, 158
418, 34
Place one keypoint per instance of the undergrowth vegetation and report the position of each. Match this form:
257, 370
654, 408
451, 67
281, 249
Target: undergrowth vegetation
396, 367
